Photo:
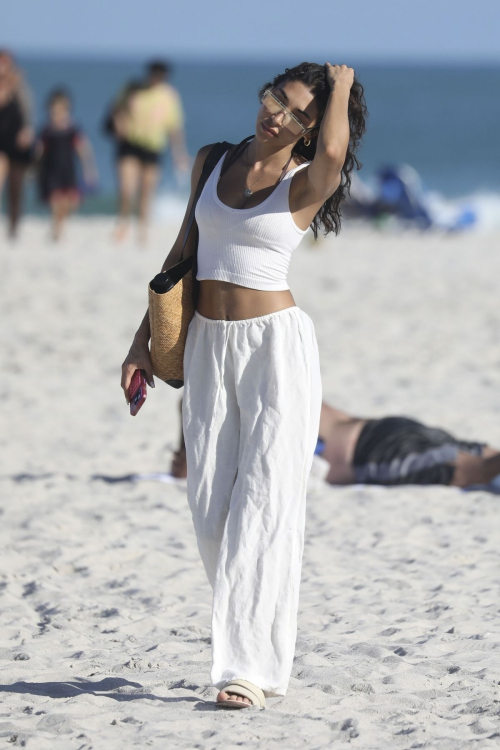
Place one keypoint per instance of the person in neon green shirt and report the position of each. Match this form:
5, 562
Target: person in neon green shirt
146, 121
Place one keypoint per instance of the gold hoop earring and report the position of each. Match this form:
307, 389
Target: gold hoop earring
307, 142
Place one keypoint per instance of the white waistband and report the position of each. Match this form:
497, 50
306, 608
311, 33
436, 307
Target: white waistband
246, 321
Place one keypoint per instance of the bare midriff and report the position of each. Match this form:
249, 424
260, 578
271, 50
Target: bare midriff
221, 300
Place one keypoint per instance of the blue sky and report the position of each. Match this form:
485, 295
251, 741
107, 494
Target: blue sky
426, 30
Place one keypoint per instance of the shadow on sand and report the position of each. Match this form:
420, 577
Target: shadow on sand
104, 687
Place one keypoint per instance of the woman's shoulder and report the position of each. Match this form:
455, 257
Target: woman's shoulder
201, 158
199, 162
203, 152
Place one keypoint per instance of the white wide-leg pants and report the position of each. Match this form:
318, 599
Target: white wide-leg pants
251, 408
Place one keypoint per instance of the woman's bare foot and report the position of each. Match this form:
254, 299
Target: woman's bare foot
223, 696
120, 233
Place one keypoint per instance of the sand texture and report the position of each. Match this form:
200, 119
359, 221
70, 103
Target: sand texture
104, 605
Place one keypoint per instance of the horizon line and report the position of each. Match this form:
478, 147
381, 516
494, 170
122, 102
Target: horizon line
242, 58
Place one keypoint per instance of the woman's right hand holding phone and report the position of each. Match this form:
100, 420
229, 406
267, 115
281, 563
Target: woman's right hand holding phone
138, 358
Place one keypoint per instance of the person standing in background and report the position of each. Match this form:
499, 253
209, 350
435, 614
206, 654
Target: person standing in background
60, 146
147, 119
16, 135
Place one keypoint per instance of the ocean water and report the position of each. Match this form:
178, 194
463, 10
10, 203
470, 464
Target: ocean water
442, 120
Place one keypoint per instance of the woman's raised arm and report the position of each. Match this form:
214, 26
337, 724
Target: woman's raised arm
333, 138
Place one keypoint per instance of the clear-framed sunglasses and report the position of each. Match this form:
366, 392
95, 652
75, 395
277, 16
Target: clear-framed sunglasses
274, 105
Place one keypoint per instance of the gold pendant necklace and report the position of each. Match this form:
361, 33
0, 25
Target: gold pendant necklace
248, 191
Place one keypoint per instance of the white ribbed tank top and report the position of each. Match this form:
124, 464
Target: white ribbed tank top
251, 247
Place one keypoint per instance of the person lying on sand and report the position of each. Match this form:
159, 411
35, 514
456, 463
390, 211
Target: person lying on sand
391, 451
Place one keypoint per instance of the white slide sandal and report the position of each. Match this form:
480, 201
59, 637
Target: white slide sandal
245, 689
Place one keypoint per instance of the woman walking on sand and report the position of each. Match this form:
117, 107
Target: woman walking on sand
16, 136
252, 396
145, 120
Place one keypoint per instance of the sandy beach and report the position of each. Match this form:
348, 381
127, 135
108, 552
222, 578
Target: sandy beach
104, 604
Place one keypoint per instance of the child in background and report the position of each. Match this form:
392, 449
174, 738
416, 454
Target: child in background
60, 146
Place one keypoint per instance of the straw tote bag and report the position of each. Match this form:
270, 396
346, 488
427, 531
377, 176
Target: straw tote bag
173, 296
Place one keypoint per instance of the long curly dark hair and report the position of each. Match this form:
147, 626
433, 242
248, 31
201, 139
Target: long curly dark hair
312, 75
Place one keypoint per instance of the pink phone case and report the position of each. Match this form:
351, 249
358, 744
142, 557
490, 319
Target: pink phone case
137, 391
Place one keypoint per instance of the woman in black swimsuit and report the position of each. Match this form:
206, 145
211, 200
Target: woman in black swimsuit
16, 135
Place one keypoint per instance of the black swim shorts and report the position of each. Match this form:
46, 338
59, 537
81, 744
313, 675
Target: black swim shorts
398, 450
144, 155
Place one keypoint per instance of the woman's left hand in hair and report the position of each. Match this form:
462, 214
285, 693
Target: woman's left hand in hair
323, 176
339, 75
